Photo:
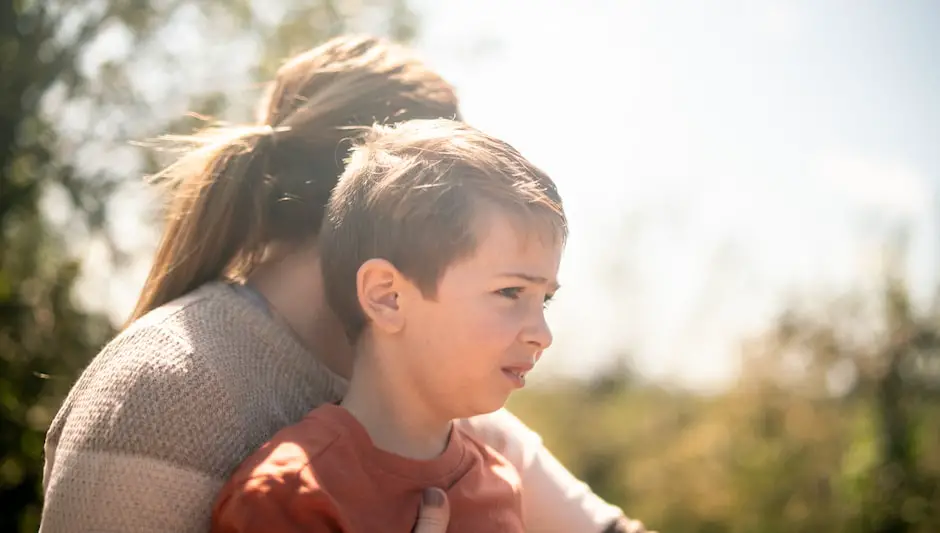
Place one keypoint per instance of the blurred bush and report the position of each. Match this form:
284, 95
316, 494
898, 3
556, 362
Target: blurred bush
833, 425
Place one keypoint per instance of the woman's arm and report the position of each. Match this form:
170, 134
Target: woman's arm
554, 501
139, 444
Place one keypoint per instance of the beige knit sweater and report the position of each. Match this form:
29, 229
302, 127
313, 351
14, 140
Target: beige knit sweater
173, 404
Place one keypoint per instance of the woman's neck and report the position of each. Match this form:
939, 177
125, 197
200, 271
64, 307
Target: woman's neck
293, 288
398, 419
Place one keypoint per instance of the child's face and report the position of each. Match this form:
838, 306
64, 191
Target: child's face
471, 346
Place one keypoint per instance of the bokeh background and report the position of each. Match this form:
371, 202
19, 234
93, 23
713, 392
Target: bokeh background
747, 338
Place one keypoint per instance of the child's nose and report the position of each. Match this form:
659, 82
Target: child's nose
539, 334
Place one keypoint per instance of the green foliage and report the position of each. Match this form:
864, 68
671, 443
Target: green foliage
72, 92
782, 450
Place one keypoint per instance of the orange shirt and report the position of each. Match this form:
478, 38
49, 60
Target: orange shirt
324, 474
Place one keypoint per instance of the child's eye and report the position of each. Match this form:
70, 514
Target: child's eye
510, 292
548, 300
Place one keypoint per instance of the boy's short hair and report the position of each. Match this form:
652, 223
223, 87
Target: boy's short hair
411, 194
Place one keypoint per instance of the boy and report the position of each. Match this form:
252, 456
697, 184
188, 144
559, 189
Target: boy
440, 248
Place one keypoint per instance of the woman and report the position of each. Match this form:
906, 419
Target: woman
231, 338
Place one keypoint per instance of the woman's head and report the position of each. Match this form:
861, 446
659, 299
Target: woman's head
360, 79
239, 190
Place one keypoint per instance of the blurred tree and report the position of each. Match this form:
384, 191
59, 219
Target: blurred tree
76, 83
833, 425
904, 492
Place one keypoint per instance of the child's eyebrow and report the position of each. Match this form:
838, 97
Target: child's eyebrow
539, 280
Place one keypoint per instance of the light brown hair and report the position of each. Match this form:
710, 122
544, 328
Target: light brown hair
237, 190
412, 194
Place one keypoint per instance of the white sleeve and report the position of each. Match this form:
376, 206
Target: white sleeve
553, 500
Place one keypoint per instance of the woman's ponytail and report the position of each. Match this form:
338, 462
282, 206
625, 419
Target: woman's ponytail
239, 190
216, 216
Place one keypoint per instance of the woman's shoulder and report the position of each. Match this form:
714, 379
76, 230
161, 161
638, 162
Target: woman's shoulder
154, 391
174, 352
209, 313
211, 330
215, 323
148, 397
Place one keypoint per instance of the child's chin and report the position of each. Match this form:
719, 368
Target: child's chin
486, 406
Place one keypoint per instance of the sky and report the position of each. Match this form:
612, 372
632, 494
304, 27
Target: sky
715, 158
755, 149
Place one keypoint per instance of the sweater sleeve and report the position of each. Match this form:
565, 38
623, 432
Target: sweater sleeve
553, 500
141, 444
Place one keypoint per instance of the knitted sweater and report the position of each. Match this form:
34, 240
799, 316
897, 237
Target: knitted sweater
170, 407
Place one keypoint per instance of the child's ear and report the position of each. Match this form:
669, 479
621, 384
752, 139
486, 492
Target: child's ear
378, 284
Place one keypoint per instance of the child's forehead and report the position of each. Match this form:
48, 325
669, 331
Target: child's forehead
514, 230
512, 245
